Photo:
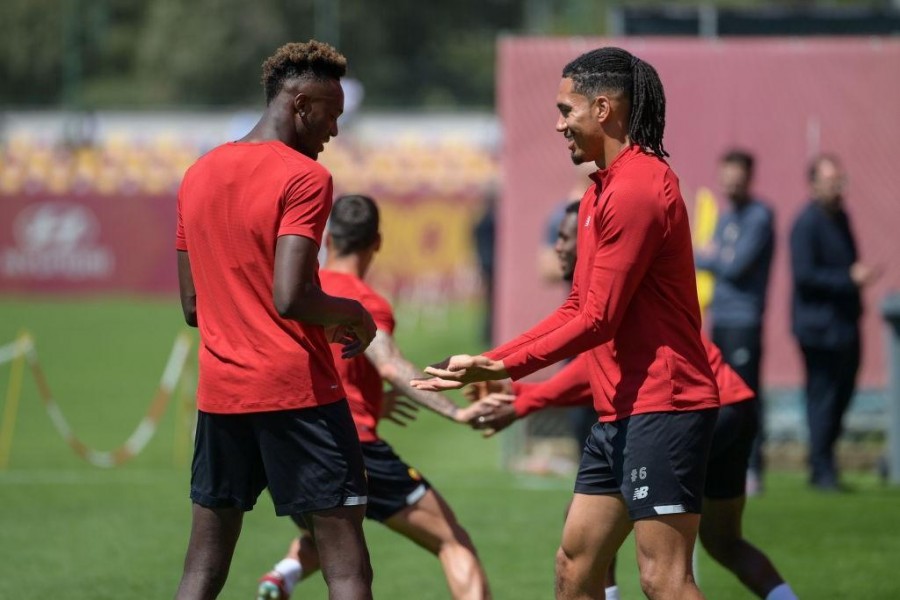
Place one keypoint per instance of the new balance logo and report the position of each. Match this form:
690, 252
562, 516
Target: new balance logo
641, 492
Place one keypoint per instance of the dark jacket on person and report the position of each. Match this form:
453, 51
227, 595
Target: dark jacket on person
745, 241
826, 302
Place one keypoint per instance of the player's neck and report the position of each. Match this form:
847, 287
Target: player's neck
351, 264
612, 147
273, 126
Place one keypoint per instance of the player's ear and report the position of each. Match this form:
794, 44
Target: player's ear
301, 104
602, 107
327, 241
376, 246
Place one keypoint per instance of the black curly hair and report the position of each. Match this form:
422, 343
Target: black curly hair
312, 59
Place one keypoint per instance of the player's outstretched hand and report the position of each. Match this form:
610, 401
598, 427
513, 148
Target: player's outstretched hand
499, 414
395, 407
470, 414
455, 372
479, 390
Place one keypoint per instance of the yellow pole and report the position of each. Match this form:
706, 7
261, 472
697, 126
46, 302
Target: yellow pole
706, 213
13, 394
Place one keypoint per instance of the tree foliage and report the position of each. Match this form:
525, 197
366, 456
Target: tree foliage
128, 53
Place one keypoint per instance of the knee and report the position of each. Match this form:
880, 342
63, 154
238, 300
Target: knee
652, 580
565, 568
662, 580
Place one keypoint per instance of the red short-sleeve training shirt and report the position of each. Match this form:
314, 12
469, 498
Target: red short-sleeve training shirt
360, 378
234, 203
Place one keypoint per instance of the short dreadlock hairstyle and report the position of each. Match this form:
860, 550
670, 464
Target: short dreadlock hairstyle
353, 223
612, 69
310, 60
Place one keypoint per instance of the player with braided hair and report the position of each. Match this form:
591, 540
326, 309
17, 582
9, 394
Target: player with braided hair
633, 311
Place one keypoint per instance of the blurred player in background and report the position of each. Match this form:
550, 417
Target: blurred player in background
271, 408
634, 311
740, 258
581, 418
399, 496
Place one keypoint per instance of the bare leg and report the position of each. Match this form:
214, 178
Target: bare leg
595, 528
343, 555
214, 534
665, 547
721, 535
611, 574
431, 524
303, 550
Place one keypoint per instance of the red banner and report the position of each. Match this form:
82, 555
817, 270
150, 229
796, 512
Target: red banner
93, 243
87, 243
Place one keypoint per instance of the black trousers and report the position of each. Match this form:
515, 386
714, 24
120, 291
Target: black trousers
742, 349
830, 382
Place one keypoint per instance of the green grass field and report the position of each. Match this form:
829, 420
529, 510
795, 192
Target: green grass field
72, 531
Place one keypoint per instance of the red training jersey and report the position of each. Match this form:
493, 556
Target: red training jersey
359, 376
571, 386
633, 306
234, 203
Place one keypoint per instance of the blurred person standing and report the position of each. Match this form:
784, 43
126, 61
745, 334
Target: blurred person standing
271, 409
826, 308
740, 259
581, 418
484, 234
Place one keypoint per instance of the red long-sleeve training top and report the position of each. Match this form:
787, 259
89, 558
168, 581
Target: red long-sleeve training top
633, 306
571, 386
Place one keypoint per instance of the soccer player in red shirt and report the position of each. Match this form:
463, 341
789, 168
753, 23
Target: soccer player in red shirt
634, 310
399, 497
724, 492
271, 408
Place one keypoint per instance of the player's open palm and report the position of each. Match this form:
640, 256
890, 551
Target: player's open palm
458, 370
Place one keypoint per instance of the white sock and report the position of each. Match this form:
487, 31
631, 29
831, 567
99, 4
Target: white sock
782, 592
291, 570
612, 592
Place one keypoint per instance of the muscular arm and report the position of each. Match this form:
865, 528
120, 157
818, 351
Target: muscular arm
557, 319
297, 295
393, 367
186, 289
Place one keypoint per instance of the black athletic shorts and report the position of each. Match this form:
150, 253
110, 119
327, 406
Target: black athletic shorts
657, 461
309, 458
736, 427
393, 484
